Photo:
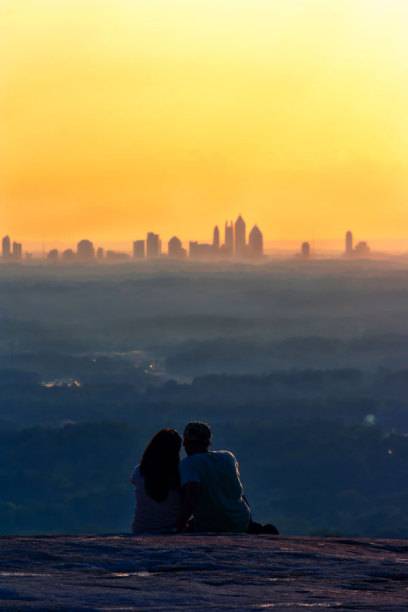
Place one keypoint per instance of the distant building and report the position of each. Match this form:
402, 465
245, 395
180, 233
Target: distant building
68, 255
53, 256
361, 250
17, 250
305, 250
348, 251
175, 248
100, 253
153, 245
201, 250
6, 247
255, 242
85, 250
216, 239
229, 238
116, 256
139, 249
240, 237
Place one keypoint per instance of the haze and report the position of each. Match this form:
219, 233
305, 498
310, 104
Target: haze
299, 366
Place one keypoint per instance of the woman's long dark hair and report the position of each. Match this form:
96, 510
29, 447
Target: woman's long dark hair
160, 463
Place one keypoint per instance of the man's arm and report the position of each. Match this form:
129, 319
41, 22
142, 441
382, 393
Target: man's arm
190, 494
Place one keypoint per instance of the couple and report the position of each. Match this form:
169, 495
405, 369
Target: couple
203, 492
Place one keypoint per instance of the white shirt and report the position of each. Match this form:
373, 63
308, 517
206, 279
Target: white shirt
152, 516
221, 506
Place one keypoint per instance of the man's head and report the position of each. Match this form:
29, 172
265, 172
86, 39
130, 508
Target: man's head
197, 437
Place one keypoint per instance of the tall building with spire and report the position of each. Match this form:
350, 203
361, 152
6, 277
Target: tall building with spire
216, 239
349, 244
240, 237
255, 242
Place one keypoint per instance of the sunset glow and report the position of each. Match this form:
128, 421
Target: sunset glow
120, 116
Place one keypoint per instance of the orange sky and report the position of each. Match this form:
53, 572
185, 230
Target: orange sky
118, 116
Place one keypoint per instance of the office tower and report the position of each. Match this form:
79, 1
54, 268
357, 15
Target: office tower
216, 239
175, 248
53, 256
229, 238
17, 250
201, 250
68, 255
305, 250
100, 253
240, 237
6, 247
139, 249
255, 242
349, 244
153, 245
85, 250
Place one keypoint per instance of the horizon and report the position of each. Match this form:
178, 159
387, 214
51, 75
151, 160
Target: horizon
323, 246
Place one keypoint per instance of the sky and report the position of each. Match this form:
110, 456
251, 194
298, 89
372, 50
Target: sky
122, 116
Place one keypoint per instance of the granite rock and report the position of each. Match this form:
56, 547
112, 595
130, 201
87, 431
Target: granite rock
202, 572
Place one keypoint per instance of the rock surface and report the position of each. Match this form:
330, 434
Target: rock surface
202, 572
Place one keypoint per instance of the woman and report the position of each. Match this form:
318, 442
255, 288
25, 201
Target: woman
157, 485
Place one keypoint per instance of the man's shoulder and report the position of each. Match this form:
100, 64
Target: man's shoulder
206, 458
224, 454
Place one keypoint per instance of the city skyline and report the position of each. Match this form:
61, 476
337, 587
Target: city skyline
323, 244
235, 244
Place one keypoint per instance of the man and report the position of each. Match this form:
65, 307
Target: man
212, 492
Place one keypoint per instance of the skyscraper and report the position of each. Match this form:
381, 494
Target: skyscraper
153, 245
229, 238
175, 248
6, 247
139, 249
255, 242
349, 244
100, 253
17, 250
85, 250
240, 237
216, 239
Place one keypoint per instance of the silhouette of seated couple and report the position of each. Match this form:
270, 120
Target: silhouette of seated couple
200, 493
